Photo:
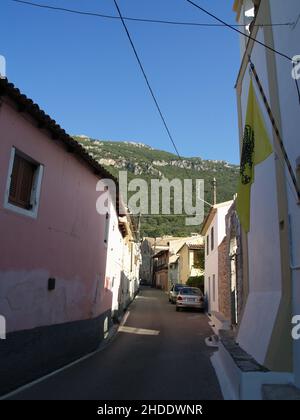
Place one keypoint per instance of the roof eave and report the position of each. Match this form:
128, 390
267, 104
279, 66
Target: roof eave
44, 121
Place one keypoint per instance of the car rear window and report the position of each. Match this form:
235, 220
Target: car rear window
178, 287
191, 291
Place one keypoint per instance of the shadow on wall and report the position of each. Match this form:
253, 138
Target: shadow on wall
127, 291
29, 354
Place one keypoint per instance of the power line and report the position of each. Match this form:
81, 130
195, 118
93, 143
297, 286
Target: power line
249, 37
292, 189
120, 17
150, 88
159, 21
237, 30
147, 81
276, 130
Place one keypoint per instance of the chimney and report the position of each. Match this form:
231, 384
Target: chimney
2, 67
214, 185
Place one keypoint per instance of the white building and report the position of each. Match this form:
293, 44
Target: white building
131, 260
214, 231
123, 261
114, 265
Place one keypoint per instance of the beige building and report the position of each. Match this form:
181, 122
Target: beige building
167, 267
191, 260
161, 269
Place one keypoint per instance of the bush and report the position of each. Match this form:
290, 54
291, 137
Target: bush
196, 282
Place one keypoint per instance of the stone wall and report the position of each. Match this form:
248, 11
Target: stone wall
233, 236
224, 280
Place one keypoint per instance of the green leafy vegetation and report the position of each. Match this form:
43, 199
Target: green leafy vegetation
141, 161
196, 282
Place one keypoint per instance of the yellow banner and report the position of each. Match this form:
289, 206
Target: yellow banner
255, 149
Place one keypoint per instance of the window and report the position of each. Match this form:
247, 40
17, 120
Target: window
190, 291
212, 239
207, 244
23, 184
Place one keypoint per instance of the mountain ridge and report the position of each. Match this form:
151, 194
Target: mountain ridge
143, 161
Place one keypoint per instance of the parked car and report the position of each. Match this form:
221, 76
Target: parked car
190, 297
174, 292
143, 283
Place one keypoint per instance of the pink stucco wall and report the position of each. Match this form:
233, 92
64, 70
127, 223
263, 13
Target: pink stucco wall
66, 241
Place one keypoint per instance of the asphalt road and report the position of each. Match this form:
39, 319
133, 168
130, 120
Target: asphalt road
159, 354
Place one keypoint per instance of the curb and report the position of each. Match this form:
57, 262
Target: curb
111, 335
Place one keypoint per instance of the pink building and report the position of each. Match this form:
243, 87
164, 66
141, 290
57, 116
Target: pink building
52, 244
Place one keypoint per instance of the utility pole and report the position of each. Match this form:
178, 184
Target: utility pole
214, 185
139, 227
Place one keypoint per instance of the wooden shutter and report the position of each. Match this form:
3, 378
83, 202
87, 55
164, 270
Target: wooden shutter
21, 182
15, 176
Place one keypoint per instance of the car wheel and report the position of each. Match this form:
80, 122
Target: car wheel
177, 309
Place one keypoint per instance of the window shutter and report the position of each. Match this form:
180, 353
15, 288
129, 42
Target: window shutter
26, 182
14, 179
21, 183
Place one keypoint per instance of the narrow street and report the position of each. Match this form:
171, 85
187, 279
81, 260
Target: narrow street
159, 354
166, 159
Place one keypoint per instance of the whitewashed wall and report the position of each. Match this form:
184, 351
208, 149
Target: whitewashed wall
211, 260
114, 258
211, 267
263, 239
288, 41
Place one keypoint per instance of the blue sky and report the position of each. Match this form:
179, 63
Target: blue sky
82, 72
